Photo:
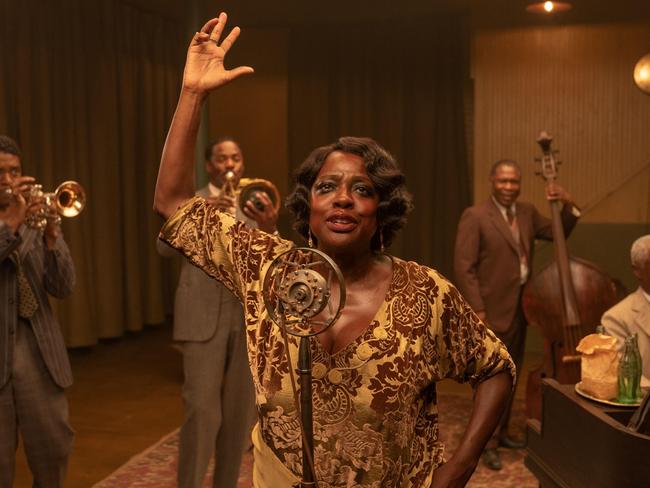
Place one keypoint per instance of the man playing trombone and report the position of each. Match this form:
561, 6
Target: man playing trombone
34, 366
218, 395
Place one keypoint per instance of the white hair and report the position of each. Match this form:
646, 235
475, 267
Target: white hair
640, 252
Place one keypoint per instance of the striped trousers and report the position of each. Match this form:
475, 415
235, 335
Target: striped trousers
34, 406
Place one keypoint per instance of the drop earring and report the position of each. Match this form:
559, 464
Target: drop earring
381, 241
310, 241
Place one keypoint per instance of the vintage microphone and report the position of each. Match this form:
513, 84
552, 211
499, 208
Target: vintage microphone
297, 290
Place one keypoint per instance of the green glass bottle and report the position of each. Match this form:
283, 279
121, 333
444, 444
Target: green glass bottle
639, 362
629, 374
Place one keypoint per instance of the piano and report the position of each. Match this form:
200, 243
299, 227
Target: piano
580, 443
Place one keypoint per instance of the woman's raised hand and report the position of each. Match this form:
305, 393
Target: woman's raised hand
204, 66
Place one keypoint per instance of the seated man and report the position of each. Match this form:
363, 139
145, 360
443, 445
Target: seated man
632, 314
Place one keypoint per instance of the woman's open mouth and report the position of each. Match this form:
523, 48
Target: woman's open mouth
341, 223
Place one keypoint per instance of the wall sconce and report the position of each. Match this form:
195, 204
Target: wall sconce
547, 7
642, 74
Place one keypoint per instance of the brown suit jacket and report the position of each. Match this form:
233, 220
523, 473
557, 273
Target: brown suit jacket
486, 261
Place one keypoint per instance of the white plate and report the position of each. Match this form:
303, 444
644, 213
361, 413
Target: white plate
582, 393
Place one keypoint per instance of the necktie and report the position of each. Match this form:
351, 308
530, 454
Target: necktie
514, 228
27, 303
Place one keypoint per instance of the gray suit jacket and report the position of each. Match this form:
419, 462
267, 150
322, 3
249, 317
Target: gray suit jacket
628, 317
199, 299
48, 272
486, 259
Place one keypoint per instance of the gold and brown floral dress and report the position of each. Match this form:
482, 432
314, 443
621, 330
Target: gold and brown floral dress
375, 412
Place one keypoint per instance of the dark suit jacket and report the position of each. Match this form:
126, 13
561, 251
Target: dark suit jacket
48, 272
486, 261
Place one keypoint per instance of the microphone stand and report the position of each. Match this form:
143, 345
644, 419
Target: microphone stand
304, 369
295, 288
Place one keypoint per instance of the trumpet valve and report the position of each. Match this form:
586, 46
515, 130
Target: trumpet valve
35, 191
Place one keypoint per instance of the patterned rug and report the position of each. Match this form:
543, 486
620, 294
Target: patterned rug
156, 466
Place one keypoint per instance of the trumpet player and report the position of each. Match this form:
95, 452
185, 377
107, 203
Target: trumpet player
34, 366
218, 395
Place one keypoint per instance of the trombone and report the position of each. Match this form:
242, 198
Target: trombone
247, 190
68, 200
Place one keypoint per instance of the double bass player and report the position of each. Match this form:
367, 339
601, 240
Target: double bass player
492, 261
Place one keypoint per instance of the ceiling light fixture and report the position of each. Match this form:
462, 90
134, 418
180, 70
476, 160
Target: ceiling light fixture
548, 7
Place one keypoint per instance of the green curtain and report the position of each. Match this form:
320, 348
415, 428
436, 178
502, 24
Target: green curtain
403, 85
88, 89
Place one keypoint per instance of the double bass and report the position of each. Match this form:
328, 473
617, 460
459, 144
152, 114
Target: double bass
566, 300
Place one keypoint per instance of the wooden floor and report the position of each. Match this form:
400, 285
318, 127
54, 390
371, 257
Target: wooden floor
126, 396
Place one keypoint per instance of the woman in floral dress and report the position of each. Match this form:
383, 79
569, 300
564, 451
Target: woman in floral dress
403, 328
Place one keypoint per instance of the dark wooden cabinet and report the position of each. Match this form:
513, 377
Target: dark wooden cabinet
580, 443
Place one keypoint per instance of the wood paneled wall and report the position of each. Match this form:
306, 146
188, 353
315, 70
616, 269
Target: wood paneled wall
574, 81
254, 109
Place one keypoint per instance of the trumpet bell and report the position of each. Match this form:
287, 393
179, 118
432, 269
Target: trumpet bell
250, 187
70, 198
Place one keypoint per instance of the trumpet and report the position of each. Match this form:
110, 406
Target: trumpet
68, 200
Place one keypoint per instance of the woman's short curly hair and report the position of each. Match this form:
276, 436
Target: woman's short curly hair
395, 201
